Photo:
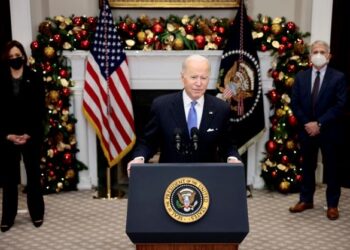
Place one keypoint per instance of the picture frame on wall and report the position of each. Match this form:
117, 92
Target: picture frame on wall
192, 4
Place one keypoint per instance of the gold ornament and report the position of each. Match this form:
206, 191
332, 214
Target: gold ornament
289, 82
280, 112
54, 96
276, 28
290, 144
70, 174
178, 44
49, 52
299, 48
46, 28
141, 36
69, 127
284, 186
277, 20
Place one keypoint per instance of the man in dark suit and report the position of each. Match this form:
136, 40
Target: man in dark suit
208, 139
318, 100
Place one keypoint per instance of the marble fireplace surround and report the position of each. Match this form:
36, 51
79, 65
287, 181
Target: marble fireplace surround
156, 72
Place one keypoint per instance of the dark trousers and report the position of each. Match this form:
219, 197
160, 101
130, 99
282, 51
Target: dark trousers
11, 159
330, 160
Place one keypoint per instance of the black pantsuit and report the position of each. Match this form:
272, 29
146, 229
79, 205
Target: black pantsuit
21, 113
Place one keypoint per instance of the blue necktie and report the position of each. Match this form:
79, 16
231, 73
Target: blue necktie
192, 117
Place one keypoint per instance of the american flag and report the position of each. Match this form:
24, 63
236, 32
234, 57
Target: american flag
107, 96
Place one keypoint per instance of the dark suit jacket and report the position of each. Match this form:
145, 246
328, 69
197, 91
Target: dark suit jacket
329, 107
168, 118
23, 113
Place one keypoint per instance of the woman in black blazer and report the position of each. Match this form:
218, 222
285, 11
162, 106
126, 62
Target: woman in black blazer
22, 104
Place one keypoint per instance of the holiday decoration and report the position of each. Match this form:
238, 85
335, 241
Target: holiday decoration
59, 166
280, 168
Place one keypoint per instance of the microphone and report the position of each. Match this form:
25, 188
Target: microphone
177, 133
194, 136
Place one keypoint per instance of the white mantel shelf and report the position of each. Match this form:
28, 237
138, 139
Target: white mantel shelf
161, 69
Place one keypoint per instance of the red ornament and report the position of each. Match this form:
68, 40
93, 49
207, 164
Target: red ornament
34, 45
274, 174
83, 33
291, 68
59, 104
91, 20
214, 28
273, 95
200, 41
52, 173
284, 39
133, 26
271, 146
189, 28
66, 91
265, 28
78, 21
85, 44
298, 177
131, 34
123, 27
292, 121
289, 45
78, 36
47, 67
285, 159
63, 73
218, 40
67, 158
149, 41
291, 26
221, 30
157, 28
275, 74
57, 38
263, 47
281, 49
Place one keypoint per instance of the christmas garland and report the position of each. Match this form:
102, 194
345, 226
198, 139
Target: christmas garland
281, 166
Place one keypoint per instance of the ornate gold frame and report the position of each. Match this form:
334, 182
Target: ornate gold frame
173, 3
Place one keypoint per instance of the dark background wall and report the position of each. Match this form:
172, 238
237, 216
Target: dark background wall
340, 49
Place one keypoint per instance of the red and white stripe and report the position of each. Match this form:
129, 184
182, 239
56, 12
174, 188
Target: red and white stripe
107, 105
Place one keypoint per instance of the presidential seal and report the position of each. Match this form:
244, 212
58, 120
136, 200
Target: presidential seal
186, 200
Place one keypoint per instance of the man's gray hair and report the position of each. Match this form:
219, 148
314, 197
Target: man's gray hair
320, 42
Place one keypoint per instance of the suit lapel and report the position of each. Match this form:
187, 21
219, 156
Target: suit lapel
325, 83
178, 111
209, 112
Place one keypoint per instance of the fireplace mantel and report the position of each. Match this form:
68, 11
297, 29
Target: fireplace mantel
160, 69
156, 70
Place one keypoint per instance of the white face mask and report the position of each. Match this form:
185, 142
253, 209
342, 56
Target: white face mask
318, 60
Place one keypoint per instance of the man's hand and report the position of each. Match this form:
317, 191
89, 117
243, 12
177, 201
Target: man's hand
137, 160
312, 128
18, 139
233, 159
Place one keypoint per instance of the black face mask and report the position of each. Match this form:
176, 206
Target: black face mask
16, 63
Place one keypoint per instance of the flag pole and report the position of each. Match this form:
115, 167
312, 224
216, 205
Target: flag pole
109, 183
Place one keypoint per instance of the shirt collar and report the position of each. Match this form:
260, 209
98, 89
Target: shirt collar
187, 100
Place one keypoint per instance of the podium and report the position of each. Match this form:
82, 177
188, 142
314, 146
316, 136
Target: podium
187, 206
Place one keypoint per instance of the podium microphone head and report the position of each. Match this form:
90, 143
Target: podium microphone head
177, 133
194, 136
